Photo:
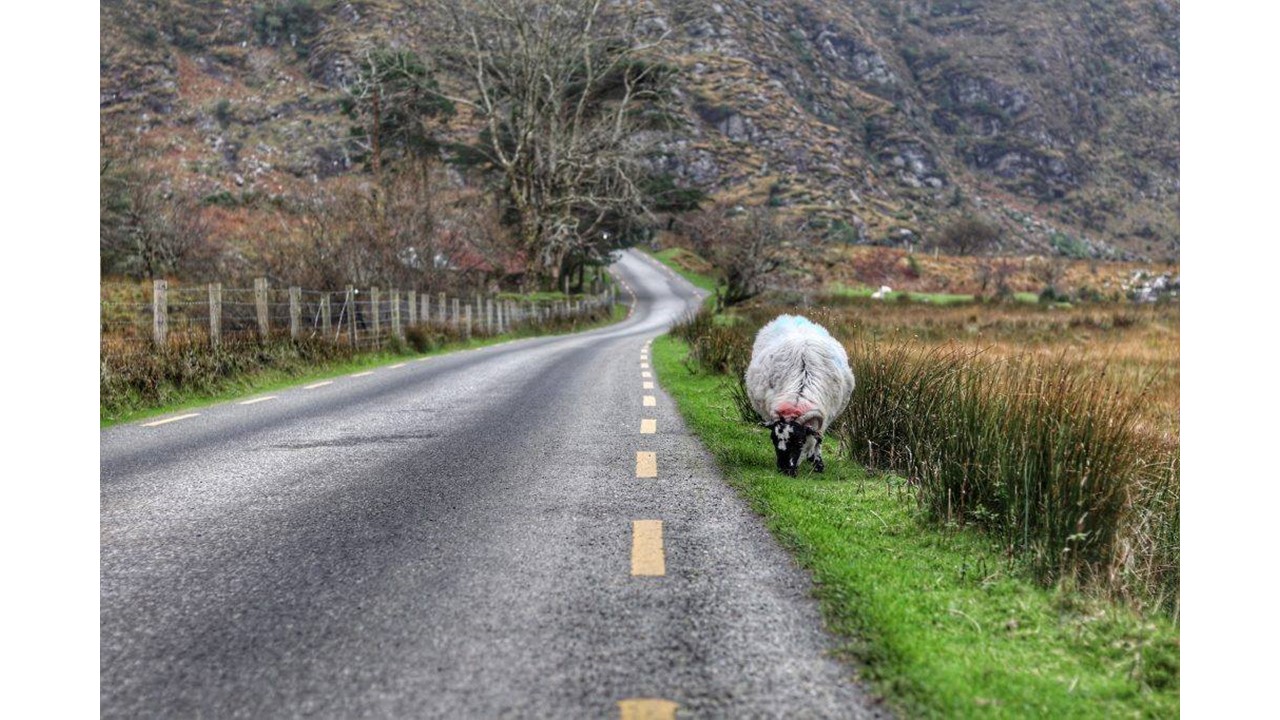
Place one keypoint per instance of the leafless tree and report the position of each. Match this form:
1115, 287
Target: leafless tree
569, 93
993, 275
147, 228
415, 229
746, 248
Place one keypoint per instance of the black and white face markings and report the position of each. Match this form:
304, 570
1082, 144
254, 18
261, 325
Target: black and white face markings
793, 442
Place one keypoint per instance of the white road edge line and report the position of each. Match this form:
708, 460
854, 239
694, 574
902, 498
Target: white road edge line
169, 420
258, 400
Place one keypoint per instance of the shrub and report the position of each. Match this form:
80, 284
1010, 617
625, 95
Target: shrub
969, 235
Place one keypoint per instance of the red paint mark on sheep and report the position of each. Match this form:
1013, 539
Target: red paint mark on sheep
791, 411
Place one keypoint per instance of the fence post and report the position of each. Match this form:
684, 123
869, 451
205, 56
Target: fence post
413, 308
295, 311
215, 314
349, 308
377, 313
488, 316
324, 315
260, 300
160, 311
425, 314
457, 314
443, 303
468, 332
395, 312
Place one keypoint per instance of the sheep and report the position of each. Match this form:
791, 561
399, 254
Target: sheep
881, 293
798, 381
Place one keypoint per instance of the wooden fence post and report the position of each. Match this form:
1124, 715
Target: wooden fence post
443, 303
376, 314
295, 311
160, 311
324, 315
457, 314
349, 309
215, 314
413, 308
260, 300
468, 332
395, 313
425, 313
488, 316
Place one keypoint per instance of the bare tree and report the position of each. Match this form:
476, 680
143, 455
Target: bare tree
568, 93
745, 248
993, 274
147, 229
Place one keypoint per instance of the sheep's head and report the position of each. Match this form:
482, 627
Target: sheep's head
789, 439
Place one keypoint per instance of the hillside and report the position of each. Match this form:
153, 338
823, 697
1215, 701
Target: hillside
877, 122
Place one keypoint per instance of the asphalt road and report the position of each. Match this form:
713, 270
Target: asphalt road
452, 538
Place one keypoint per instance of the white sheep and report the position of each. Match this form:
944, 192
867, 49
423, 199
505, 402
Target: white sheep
882, 293
798, 381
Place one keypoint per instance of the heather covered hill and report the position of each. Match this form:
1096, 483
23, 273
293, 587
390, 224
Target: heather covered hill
874, 122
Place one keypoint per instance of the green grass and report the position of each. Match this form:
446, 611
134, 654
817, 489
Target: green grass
671, 258
937, 619
934, 298
232, 387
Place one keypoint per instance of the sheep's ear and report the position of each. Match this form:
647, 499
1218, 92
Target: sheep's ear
812, 424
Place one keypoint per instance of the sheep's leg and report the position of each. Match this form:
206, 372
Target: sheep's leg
816, 456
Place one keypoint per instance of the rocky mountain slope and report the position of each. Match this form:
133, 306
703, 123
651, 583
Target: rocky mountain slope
877, 121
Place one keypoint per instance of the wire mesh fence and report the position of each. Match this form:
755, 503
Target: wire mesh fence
143, 317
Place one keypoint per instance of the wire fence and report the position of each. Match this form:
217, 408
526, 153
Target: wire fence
139, 318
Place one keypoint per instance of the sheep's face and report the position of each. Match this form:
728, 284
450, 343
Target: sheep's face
789, 440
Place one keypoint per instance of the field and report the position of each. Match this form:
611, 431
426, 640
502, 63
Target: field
997, 532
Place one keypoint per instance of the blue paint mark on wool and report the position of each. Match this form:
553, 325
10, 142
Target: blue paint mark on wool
797, 322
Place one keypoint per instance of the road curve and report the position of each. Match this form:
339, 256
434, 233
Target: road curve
452, 538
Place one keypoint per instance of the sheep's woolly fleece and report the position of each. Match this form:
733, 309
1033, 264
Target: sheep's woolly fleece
798, 373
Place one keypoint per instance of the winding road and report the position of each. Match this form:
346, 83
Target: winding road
511, 531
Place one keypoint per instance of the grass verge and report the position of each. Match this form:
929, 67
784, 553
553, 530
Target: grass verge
689, 265
274, 367
940, 621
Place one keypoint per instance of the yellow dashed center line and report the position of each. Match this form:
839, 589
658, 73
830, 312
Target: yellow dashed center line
319, 384
646, 709
650, 401
363, 374
648, 426
646, 464
647, 557
258, 400
648, 385
169, 420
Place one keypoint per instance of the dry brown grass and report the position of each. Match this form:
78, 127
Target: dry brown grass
1137, 345
859, 265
